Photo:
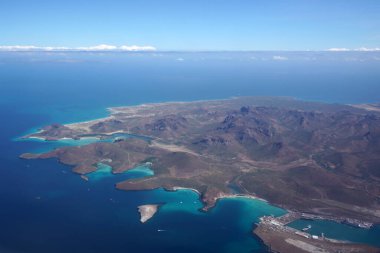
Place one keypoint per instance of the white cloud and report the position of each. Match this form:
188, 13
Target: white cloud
53, 48
361, 49
18, 48
137, 48
279, 58
102, 47
365, 49
338, 49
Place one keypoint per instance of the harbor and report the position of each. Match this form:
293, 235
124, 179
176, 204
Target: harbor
293, 216
279, 237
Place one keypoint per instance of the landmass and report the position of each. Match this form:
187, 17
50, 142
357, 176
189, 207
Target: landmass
147, 212
368, 107
309, 157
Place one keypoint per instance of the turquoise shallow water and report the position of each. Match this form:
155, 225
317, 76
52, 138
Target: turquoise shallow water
62, 143
246, 211
105, 171
340, 231
51, 145
186, 201
227, 227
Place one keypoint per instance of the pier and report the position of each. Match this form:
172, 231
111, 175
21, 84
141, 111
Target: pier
289, 218
293, 216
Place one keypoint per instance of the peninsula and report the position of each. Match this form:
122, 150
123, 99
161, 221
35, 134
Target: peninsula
316, 158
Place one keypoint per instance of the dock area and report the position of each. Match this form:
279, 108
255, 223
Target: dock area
281, 238
289, 217
293, 216
280, 224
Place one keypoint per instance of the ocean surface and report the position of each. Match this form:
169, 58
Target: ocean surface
47, 208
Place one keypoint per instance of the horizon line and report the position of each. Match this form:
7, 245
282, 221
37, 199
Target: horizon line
134, 48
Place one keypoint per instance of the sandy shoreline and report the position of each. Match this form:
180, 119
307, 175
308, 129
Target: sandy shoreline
176, 188
221, 195
67, 138
84, 125
241, 196
90, 121
117, 109
120, 109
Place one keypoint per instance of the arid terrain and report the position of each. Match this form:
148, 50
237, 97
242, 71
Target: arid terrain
310, 157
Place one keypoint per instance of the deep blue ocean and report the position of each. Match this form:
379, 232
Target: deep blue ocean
45, 208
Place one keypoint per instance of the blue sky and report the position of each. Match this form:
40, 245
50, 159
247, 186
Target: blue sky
193, 24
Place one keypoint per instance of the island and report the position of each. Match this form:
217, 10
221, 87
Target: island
147, 212
309, 157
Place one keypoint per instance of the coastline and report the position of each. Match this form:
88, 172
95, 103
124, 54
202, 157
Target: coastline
117, 109
211, 200
114, 110
176, 188
220, 197
300, 215
245, 196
